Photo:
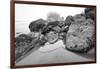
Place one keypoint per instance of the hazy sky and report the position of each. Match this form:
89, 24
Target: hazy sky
25, 13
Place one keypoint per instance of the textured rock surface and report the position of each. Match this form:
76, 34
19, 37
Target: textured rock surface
80, 35
24, 44
21, 42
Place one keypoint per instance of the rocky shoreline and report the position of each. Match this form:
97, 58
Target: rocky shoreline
77, 33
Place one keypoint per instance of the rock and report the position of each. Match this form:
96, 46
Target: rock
37, 25
25, 43
31, 34
79, 18
21, 44
42, 41
51, 26
68, 20
80, 36
90, 12
23, 38
51, 31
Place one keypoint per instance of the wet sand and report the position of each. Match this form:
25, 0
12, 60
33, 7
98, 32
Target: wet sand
55, 53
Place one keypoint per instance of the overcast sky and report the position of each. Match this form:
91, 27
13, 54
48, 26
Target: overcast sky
25, 13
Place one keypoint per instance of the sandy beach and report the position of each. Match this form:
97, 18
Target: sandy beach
55, 53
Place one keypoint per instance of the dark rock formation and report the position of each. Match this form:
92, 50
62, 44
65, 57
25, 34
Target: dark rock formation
37, 25
68, 20
22, 38
50, 27
58, 27
90, 12
24, 44
51, 30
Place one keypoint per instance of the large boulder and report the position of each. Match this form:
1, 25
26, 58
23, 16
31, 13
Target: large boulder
80, 35
37, 25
